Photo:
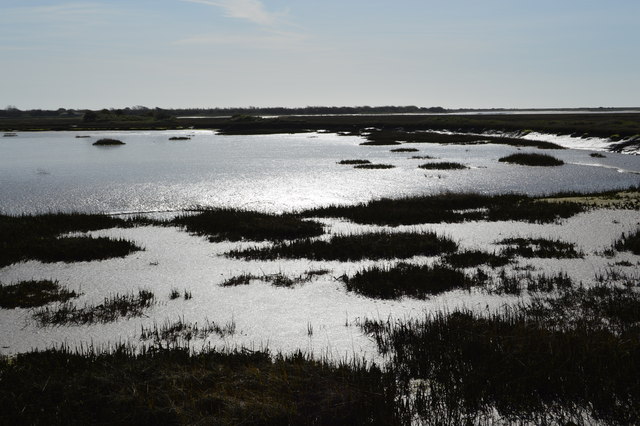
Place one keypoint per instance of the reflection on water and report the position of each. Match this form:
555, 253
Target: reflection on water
55, 171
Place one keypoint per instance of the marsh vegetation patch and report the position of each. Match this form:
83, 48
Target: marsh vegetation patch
354, 162
236, 225
381, 245
31, 294
374, 166
443, 165
532, 159
539, 247
629, 242
108, 142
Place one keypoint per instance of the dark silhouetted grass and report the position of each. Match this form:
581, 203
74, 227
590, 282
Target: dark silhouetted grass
278, 280
516, 283
597, 155
354, 247
354, 162
629, 242
450, 208
374, 166
423, 157
532, 159
176, 387
547, 363
172, 332
405, 280
473, 258
405, 150
540, 247
108, 142
31, 294
443, 165
36, 237
236, 225
179, 138
111, 309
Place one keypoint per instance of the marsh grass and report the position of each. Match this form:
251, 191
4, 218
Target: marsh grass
354, 162
236, 225
540, 247
418, 281
450, 208
597, 155
423, 157
473, 258
516, 283
108, 142
110, 310
37, 237
279, 279
374, 166
405, 150
443, 165
554, 361
175, 386
630, 242
172, 332
31, 294
532, 159
179, 138
381, 245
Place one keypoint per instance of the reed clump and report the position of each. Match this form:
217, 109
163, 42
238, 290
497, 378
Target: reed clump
443, 165
374, 166
630, 242
108, 142
354, 162
540, 247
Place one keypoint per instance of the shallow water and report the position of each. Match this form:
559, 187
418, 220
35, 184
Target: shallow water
54, 171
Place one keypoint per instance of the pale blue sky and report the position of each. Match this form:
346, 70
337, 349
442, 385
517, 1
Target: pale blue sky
219, 53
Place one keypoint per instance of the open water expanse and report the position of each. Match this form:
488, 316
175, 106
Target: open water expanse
55, 171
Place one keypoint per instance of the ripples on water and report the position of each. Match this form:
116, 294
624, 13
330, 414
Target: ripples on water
54, 171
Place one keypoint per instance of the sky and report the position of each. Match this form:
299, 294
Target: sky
240, 53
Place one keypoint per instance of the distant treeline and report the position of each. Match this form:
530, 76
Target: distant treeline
164, 113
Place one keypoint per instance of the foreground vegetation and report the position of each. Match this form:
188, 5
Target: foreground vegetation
174, 386
30, 294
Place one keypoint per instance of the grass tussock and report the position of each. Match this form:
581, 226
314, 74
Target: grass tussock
108, 142
37, 237
31, 294
517, 283
524, 365
174, 386
110, 310
179, 138
374, 166
405, 280
540, 247
422, 157
354, 162
236, 225
382, 245
443, 165
630, 242
278, 280
532, 159
597, 155
450, 208
179, 332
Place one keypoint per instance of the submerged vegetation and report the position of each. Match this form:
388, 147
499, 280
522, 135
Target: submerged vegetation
31, 294
532, 159
236, 225
381, 245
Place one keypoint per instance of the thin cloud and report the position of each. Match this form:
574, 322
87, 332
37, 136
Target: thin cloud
276, 40
250, 10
